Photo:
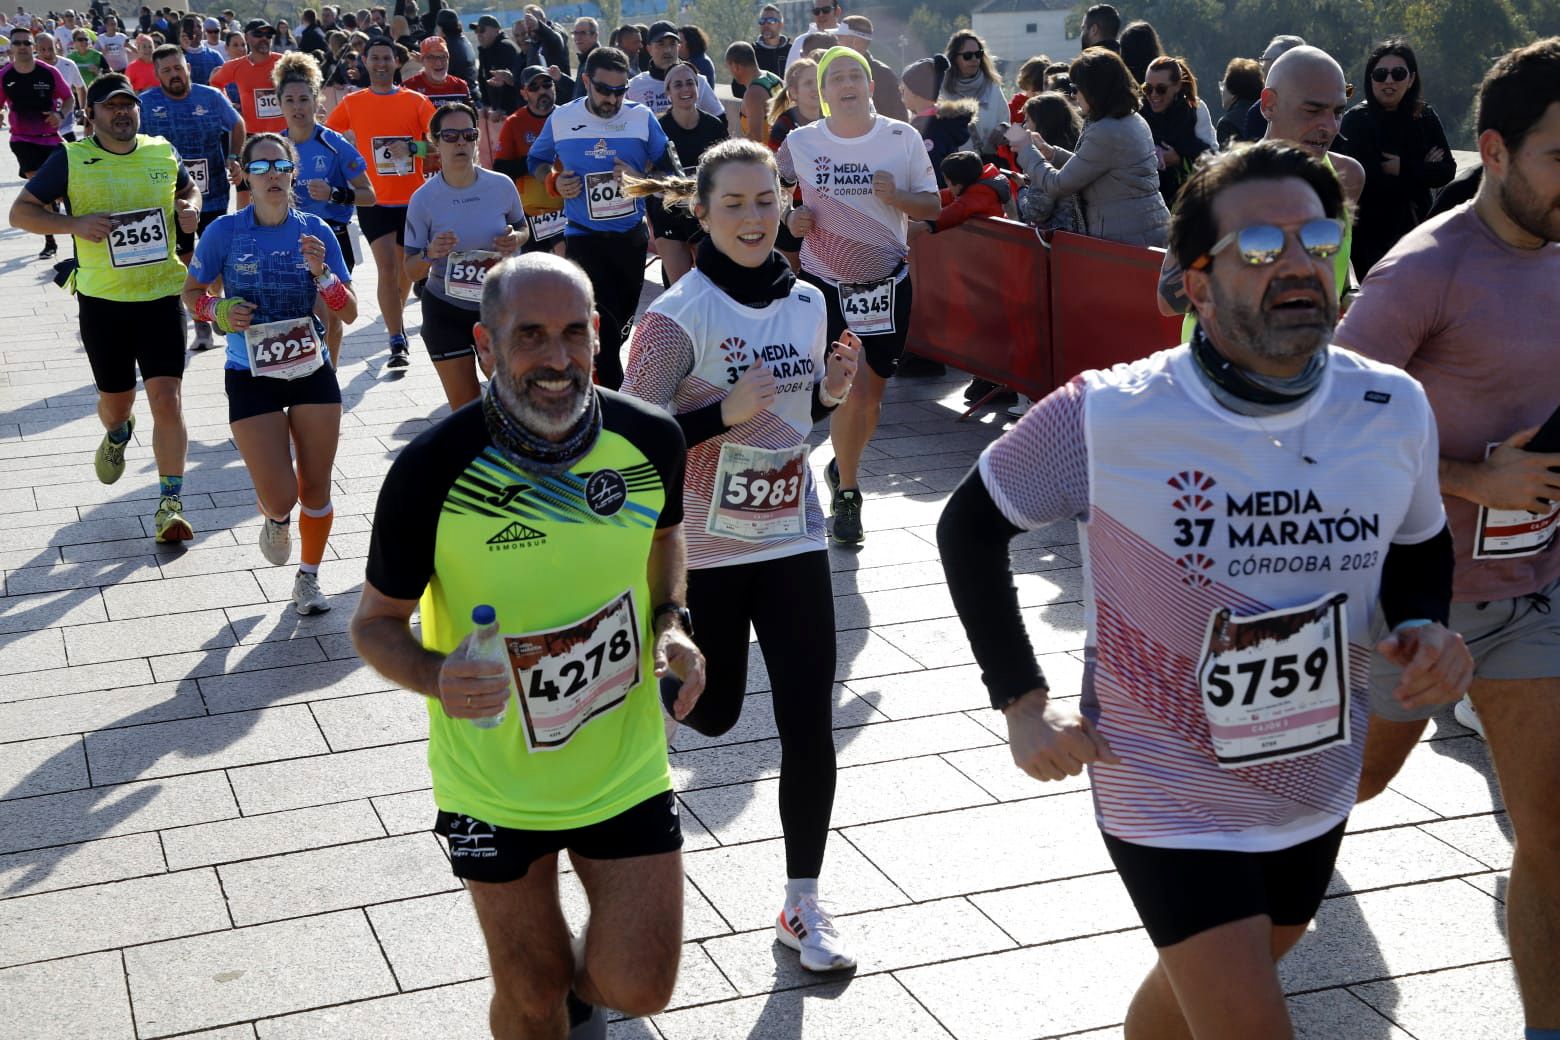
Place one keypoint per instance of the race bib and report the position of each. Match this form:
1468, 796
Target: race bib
604, 197
287, 349
466, 271
1505, 533
200, 173
1275, 685
139, 237
567, 676
869, 307
546, 226
267, 104
759, 494
388, 162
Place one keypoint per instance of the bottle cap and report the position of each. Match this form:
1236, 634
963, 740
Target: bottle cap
483, 615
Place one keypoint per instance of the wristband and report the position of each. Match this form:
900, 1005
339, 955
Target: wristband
343, 196
420, 149
1417, 622
334, 293
206, 308
827, 399
222, 312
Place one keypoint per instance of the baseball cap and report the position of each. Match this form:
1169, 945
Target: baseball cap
447, 19
105, 87
212, 23
258, 27
659, 30
433, 45
530, 72
487, 21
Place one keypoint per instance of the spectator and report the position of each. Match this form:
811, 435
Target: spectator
1031, 81
1170, 106
1115, 167
1101, 24
972, 75
975, 189
856, 33
1054, 117
1240, 91
586, 35
812, 45
463, 59
1256, 123
1399, 140
546, 44
235, 46
498, 64
772, 45
630, 39
1139, 46
89, 62
284, 41
945, 126
694, 48
404, 35
311, 38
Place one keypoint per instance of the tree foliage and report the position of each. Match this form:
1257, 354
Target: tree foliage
933, 21
724, 22
1456, 40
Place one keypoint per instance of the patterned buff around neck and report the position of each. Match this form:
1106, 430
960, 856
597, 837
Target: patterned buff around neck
536, 454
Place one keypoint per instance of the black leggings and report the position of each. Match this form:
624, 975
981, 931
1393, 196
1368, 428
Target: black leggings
615, 264
790, 603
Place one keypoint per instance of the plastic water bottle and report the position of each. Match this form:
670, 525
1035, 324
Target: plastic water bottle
487, 644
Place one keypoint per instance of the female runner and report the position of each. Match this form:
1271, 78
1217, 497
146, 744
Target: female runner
677, 233
736, 350
280, 269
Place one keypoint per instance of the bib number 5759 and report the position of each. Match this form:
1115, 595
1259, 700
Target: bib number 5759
1281, 673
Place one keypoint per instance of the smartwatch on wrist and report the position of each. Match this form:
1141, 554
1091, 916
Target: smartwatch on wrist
682, 617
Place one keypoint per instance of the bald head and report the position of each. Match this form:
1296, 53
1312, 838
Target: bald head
510, 284
1304, 98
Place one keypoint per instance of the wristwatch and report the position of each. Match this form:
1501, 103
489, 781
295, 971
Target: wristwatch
684, 618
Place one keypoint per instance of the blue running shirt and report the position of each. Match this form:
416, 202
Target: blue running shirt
198, 125
588, 146
330, 157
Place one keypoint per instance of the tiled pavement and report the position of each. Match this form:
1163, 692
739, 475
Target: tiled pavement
213, 816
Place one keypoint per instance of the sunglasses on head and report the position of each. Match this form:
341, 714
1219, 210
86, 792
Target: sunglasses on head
452, 136
1262, 244
972, 55
255, 167
1397, 73
609, 91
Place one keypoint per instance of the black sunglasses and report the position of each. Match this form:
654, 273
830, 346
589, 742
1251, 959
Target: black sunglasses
453, 136
609, 91
1396, 73
771, 20
1159, 88
819, 12
972, 55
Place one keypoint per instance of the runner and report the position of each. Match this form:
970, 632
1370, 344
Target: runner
598, 138
758, 86
1223, 817
112, 43
579, 763
202, 60
45, 46
387, 125
123, 193
88, 60
676, 230
459, 224
332, 177
279, 268
206, 130
543, 210
41, 104
250, 76
863, 178
649, 87
755, 555
796, 105
1466, 303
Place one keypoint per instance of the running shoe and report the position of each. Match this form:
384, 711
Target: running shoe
49, 248
831, 475
1468, 715
275, 541
110, 460
170, 523
1017, 410
202, 336
400, 353
847, 517
808, 929
307, 597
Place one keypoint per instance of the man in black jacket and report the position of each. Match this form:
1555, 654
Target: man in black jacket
545, 44
1101, 24
311, 37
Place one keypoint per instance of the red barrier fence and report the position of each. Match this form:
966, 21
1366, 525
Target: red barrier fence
993, 300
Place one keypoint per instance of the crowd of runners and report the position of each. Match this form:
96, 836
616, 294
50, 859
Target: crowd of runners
1326, 513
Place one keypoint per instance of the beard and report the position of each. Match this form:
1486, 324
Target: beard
1537, 216
543, 417
1276, 334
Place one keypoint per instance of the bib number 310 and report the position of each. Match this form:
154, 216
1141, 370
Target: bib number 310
1275, 685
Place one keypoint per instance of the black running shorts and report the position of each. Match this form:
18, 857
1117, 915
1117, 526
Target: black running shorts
881, 352
378, 221
250, 395
1180, 893
119, 337
497, 855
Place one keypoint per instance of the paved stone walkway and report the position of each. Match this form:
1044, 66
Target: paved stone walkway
213, 817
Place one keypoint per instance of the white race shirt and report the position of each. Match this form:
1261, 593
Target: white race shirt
651, 92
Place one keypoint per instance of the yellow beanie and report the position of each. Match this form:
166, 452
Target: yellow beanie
828, 58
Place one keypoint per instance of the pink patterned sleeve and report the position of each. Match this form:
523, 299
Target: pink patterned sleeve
1038, 472
660, 356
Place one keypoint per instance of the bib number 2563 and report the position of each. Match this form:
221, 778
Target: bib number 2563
139, 237
1275, 685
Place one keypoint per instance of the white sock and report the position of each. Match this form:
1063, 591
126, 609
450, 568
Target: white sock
797, 888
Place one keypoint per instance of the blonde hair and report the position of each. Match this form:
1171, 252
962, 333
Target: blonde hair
782, 99
685, 191
296, 67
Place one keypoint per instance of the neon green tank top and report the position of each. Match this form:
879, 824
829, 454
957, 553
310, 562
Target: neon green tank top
137, 261
1340, 262
563, 562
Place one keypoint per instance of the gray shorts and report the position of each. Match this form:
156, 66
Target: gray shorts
1516, 638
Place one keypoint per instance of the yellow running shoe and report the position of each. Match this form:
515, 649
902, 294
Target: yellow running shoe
110, 460
170, 522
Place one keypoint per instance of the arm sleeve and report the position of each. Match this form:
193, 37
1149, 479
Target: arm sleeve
1205, 130
1077, 169
1426, 512
211, 249
1433, 174
1416, 580
658, 147
956, 212
786, 163
660, 357
333, 258
1397, 310
227, 114
220, 76
52, 180
418, 232
340, 118
515, 214
182, 182
62, 91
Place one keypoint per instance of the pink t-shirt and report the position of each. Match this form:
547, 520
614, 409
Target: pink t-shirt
1473, 319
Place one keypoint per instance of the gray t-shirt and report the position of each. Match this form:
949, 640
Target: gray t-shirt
477, 214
